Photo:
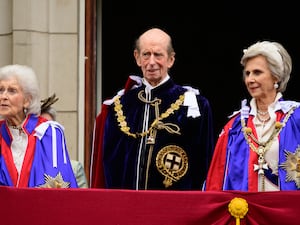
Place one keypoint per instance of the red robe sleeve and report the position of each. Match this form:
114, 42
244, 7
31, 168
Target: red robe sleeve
97, 174
216, 172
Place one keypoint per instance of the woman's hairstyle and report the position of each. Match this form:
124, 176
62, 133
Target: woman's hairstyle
279, 60
27, 79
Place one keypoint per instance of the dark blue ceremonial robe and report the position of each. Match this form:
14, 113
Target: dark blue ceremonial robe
122, 161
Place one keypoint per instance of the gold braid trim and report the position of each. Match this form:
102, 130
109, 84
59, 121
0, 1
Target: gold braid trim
156, 124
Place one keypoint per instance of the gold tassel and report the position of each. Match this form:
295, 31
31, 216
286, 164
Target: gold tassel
238, 207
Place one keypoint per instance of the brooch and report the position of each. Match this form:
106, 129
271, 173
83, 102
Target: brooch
55, 182
292, 166
172, 163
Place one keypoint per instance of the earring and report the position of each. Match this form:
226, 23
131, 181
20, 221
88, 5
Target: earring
25, 111
276, 85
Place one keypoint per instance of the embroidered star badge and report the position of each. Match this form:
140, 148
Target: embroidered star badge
55, 182
292, 166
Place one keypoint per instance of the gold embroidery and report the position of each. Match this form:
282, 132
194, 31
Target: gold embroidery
55, 182
292, 166
157, 124
172, 162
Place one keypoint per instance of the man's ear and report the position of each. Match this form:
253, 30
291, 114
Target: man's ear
137, 57
171, 60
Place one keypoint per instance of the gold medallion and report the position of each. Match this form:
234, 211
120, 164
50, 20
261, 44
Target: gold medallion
172, 163
292, 166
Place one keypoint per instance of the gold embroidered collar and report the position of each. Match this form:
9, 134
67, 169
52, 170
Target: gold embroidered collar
121, 118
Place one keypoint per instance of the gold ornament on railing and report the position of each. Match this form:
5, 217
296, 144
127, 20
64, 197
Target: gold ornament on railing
238, 207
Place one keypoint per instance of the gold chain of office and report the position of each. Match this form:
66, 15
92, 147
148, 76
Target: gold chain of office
263, 146
121, 118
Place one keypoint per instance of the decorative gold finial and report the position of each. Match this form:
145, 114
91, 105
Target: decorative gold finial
238, 207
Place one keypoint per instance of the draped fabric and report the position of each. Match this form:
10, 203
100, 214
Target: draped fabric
46, 155
97, 175
122, 161
36, 206
232, 166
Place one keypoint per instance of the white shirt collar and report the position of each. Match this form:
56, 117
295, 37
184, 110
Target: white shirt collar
150, 87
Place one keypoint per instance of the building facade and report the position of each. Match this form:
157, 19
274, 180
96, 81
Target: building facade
49, 36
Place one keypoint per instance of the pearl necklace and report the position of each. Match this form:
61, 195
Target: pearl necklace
262, 113
260, 148
263, 120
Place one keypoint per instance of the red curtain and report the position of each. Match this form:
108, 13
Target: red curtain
37, 206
